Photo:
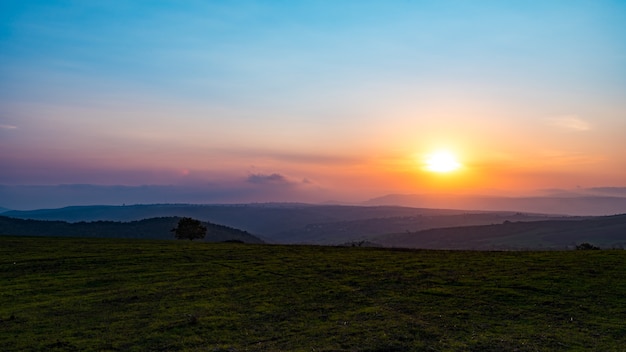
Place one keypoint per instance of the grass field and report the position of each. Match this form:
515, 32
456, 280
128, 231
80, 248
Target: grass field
69, 294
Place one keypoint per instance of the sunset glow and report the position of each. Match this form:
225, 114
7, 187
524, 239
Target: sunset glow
313, 101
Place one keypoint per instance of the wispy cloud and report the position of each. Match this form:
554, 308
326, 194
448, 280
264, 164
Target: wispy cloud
570, 122
301, 158
7, 127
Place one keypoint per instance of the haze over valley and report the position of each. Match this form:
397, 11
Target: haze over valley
381, 226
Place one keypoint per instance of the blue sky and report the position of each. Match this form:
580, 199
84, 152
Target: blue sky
342, 94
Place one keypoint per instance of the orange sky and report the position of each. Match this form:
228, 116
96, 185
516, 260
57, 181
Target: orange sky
337, 101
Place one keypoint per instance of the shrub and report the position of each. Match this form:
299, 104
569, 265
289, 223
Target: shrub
586, 247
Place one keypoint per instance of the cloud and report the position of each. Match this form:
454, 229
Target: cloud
276, 179
570, 122
8, 127
267, 179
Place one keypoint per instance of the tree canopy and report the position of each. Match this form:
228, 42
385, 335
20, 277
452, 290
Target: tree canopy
190, 229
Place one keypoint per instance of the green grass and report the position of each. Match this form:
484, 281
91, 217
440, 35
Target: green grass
69, 294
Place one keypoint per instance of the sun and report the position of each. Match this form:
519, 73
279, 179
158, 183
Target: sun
441, 161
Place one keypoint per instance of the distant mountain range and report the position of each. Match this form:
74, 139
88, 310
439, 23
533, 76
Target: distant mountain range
153, 228
566, 203
578, 201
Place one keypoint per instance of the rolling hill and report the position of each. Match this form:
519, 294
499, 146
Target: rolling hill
332, 225
604, 231
153, 228
291, 223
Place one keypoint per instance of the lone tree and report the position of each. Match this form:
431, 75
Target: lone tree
190, 229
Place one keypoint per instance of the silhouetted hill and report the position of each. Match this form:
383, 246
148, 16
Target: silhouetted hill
360, 230
268, 220
263, 216
290, 223
605, 232
153, 228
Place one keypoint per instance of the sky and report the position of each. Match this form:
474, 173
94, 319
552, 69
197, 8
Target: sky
313, 100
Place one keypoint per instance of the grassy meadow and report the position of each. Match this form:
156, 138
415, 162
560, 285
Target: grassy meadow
69, 294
